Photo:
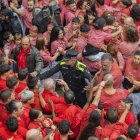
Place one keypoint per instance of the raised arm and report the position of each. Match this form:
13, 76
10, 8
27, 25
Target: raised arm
19, 12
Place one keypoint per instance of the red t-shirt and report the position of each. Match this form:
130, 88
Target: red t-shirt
25, 115
4, 113
50, 95
74, 115
58, 108
6, 134
36, 103
57, 135
21, 86
86, 115
2, 84
114, 99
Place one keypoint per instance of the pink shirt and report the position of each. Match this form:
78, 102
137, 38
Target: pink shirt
130, 69
69, 16
9, 46
98, 37
63, 9
71, 34
101, 9
116, 73
27, 18
45, 55
128, 49
42, 3
80, 44
120, 60
58, 43
24, 3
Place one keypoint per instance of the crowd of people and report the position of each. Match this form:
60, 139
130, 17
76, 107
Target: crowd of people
69, 69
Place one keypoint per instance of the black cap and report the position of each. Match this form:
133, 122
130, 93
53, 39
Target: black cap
70, 54
90, 50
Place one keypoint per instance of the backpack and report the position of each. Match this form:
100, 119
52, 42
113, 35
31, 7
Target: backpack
41, 18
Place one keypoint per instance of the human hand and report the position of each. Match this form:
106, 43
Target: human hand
11, 5
128, 106
102, 84
61, 82
33, 74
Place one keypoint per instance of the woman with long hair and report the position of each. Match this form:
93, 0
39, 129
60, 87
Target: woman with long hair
113, 50
57, 41
129, 46
44, 52
91, 128
89, 18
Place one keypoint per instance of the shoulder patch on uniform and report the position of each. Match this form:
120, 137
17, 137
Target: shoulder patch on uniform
62, 63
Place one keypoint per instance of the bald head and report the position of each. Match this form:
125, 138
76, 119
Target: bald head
49, 84
109, 79
129, 21
33, 134
25, 43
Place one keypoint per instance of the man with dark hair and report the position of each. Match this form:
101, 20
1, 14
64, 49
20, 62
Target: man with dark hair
33, 84
63, 130
112, 115
132, 68
4, 73
22, 74
15, 108
110, 67
10, 131
121, 138
72, 31
133, 131
5, 97
9, 43
14, 84
82, 39
26, 14
71, 11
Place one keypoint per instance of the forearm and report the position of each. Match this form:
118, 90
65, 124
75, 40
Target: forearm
42, 101
97, 97
116, 33
137, 83
55, 57
19, 12
53, 112
123, 116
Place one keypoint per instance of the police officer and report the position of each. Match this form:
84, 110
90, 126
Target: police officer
75, 74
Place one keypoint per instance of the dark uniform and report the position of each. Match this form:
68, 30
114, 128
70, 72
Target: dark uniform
75, 77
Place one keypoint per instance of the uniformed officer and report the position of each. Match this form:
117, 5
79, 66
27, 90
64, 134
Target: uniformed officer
75, 74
